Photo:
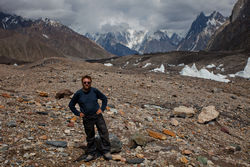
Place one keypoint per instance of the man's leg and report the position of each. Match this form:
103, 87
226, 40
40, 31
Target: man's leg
103, 133
90, 132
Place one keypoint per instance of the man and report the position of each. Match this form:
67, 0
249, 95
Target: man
91, 113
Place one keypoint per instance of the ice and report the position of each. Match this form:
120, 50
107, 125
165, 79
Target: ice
108, 64
203, 73
161, 69
210, 66
146, 65
246, 72
180, 65
46, 36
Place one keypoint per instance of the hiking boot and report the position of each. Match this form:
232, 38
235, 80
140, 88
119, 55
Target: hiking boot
89, 158
107, 156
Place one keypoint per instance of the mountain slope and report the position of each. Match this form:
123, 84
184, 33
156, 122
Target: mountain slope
201, 31
235, 34
26, 41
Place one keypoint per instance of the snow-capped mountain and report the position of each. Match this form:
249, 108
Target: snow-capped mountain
236, 34
133, 41
10, 22
201, 31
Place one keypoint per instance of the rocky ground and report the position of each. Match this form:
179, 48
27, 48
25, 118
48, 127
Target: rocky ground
144, 113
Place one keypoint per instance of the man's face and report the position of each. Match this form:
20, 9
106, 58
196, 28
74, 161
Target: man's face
86, 83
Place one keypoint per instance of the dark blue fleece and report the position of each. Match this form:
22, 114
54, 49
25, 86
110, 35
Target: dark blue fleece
88, 101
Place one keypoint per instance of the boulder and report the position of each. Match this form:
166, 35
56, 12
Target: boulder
116, 144
207, 114
63, 93
183, 111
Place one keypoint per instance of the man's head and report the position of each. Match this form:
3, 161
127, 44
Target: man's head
86, 82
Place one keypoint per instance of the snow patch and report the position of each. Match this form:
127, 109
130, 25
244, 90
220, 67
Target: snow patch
246, 72
203, 73
146, 65
161, 69
46, 36
108, 64
210, 66
180, 65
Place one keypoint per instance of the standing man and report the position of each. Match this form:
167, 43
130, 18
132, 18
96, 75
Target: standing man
91, 113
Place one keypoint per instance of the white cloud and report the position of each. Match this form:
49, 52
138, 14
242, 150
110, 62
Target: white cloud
91, 15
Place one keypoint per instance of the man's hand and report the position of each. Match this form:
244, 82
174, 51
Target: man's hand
99, 111
81, 115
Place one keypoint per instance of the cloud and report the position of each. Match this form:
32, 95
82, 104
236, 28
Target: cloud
95, 15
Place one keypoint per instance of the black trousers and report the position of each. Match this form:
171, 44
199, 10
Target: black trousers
89, 122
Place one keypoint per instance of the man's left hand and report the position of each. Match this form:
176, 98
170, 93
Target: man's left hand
99, 111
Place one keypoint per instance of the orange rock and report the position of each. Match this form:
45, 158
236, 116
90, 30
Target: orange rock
156, 135
121, 112
1, 107
6, 95
140, 155
168, 132
71, 124
19, 99
184, 160
186, 152
73, 119
43, 137
107, 108
42, 128
43, 94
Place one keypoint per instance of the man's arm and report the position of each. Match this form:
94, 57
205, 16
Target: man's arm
72, 105
103, 98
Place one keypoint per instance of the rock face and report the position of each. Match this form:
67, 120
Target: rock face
26, 41
236, 34
201, 31
207, 114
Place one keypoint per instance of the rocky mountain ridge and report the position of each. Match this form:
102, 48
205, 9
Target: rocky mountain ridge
201, 31
235, 35
25, 40
145, 42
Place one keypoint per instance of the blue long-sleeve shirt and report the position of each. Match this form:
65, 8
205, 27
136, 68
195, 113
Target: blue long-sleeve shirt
88, 101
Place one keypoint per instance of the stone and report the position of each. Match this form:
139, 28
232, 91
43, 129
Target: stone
6, 95
42, 113
139, 139
168, 132
207, 114
11, 124
43, 137
67, 131
183, 111
116, 157
135, 160
73, 119
57, 143
156, 135
2, 107
139, 155
186, 152
202, 160
174, 122
63, 93
115, 142
184, 160
43, 94
71, 124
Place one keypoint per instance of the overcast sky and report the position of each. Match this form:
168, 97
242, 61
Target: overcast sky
96, 15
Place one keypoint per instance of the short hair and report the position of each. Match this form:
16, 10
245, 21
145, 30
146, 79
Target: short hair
88, 77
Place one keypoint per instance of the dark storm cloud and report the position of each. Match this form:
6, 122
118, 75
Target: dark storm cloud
94, 15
